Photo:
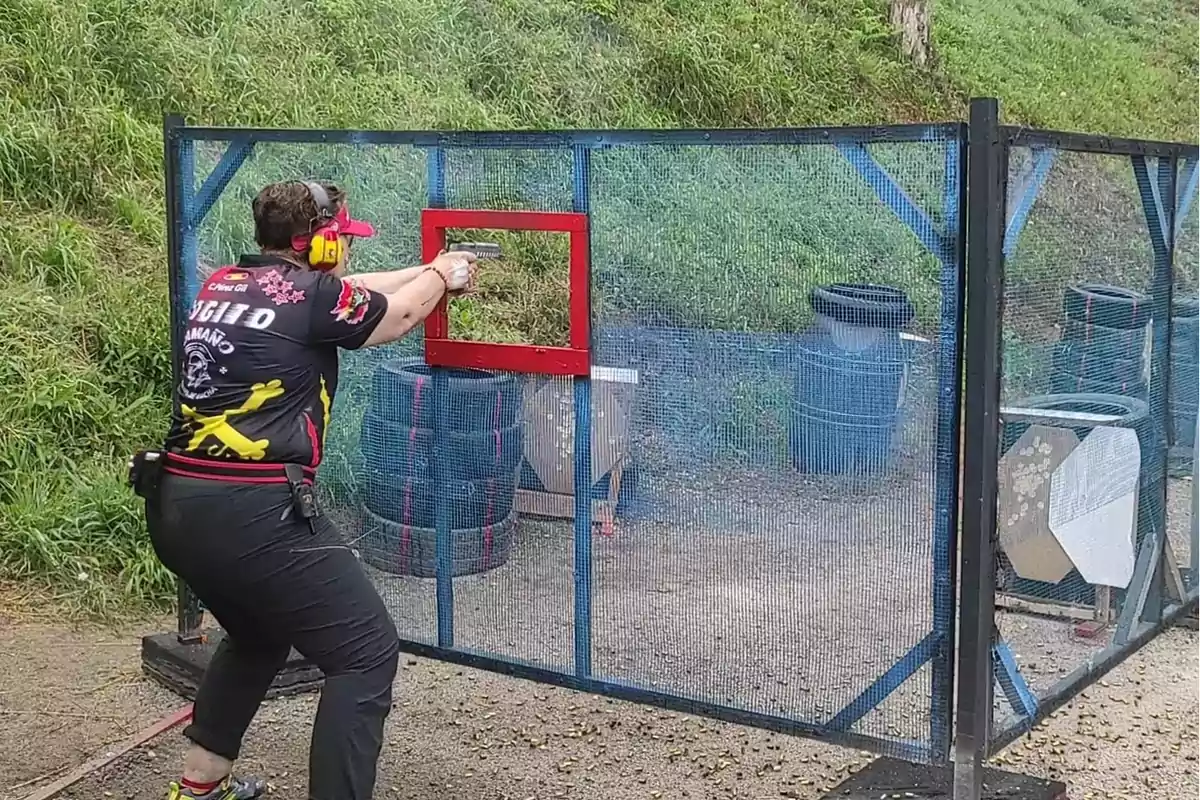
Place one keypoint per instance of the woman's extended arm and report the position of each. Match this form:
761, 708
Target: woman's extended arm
388, 281
417, 297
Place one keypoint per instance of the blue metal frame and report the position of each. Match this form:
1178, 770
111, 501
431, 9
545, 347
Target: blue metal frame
587, 138
188, 207
891, 194
1187, 192
946, 484
947, 245
1145, 609
1012, 683
912, 751
582, 388
888, 682
179, 183
1043, 162
1146, 594
195, 205
436, 194
189, 245
231, 161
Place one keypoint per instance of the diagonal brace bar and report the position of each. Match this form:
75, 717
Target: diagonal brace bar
1149, 555
214, 185
886, 683
1187, 193
1152, 206
894, 197
1012, 683
1031, 187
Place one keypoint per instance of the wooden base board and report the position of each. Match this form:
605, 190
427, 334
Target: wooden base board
1092, 619
1045, 608
562, 506
890, 777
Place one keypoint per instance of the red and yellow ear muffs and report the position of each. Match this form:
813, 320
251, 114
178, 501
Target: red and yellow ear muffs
323, 245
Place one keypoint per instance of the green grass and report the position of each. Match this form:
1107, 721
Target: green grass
722, 239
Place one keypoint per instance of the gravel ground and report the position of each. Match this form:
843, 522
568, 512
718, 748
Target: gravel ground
66, 695
1046, 650
456, 733
791, 608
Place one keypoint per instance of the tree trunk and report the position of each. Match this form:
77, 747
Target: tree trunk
912, 19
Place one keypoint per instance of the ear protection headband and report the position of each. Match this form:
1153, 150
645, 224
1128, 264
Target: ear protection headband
322, 244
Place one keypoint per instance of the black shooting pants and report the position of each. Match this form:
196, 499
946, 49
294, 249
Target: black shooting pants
273, 584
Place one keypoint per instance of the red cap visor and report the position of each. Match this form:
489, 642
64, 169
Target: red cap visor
341, 224
352, 227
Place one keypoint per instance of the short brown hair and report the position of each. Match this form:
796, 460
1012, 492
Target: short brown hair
287, 209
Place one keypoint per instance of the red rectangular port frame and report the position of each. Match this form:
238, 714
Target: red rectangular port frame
442, 351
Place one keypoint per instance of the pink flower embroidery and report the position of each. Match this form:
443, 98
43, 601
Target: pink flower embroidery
280, 291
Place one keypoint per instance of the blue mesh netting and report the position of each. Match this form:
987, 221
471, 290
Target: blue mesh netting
1085, 444
779, 488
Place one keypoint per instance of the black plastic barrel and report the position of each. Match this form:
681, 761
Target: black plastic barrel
851, 371
1104, 345
482, 451
1184, 400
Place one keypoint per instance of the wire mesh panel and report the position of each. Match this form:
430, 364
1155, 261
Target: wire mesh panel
1085, 506
776, 548
747, 509
387, 185
1183, 394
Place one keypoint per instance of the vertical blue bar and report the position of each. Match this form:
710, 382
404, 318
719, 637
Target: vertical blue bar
436, 178
445, 563
1157, 189
583, 458
188, 236
946, 463
1163, 297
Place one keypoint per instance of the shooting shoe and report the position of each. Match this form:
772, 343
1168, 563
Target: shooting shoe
229, 789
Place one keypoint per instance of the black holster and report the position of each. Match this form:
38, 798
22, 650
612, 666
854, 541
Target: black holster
145, 473
304, 499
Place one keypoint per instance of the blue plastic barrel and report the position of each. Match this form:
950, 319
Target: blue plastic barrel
850, 375
483, 447
1184, 399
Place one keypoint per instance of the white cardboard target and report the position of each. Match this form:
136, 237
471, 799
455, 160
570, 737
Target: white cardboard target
1023, 502
1093, 505
549, 408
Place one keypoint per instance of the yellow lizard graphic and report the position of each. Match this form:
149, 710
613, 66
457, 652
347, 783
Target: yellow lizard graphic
325, 402
218, 426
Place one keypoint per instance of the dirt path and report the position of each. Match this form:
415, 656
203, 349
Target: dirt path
65, 695
457, 733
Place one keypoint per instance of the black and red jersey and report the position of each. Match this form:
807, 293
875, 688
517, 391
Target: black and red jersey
260, 361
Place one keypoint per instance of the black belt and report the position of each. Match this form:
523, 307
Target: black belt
236, 471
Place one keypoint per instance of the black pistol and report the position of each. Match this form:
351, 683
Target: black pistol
304, 498
145, 472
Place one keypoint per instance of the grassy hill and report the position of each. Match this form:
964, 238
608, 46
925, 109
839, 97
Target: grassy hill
83, 87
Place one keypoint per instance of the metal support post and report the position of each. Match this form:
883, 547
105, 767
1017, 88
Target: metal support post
987, 167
